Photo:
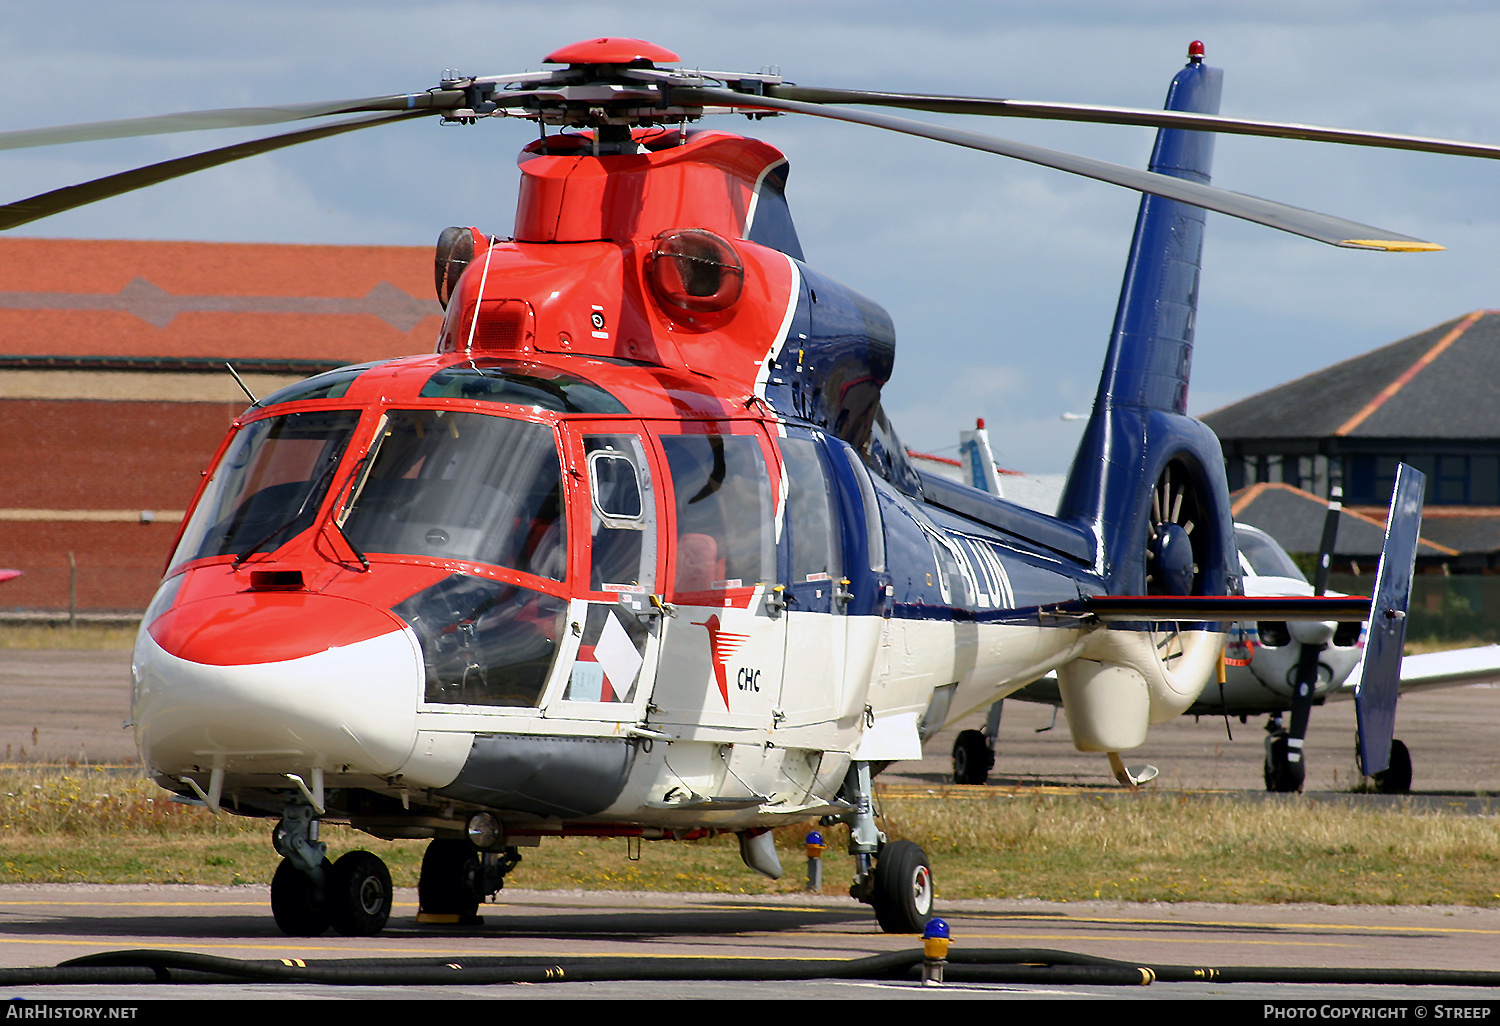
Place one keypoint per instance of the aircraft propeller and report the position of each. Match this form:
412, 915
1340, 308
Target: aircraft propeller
1285, 768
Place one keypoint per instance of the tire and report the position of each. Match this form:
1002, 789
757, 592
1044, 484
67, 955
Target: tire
1282, 775
972, 758
299, 909
358, 894
1397, 777
447, 884
902, 894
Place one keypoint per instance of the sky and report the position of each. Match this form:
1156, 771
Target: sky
1001, 278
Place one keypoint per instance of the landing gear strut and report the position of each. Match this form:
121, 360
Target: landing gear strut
309, 893
297, 890
1285, 769
896, 878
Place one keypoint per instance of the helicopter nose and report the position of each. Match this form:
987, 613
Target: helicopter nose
267, 627
276, 682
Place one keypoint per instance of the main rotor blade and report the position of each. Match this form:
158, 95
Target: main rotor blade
1133, 116
235, 117
1335, 231
55, 202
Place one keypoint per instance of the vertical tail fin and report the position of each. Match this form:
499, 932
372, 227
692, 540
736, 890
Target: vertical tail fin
1143, 465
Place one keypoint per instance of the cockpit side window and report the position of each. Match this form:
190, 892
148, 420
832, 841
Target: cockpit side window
463, 486
622, 514
725, 514
816, 553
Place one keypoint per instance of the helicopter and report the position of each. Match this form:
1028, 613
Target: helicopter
635, 552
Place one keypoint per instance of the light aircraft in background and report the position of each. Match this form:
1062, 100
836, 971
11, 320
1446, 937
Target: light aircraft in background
635, 552
1270, 667
1263, 661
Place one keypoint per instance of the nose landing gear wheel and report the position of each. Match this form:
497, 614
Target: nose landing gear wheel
1282, 775
358, 894
902, 894
299, 908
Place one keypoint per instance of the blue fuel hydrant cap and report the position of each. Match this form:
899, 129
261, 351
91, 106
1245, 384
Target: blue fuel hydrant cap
935, 928
814, 838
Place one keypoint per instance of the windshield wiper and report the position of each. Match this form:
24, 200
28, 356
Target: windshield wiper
315, 489
354, 477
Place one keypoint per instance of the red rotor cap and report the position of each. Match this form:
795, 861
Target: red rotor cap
611, 50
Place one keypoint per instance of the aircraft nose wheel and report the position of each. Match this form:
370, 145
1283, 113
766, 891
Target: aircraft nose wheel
358, 894
902, 894
1282, 775
298, 905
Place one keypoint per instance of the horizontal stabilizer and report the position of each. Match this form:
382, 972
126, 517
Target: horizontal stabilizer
1215, 608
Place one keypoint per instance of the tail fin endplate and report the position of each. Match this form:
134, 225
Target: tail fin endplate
1380, 677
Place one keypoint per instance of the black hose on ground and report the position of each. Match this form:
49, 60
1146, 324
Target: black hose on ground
1039, 966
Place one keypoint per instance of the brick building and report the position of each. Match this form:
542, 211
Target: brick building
114, 393
1431, 400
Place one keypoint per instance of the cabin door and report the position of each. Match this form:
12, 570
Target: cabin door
723, 647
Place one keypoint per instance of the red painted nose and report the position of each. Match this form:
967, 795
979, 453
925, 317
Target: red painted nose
267, 627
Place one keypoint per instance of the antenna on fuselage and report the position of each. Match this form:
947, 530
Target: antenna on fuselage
243, 387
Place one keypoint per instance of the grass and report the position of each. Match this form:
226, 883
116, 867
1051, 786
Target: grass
99, 827
85, 637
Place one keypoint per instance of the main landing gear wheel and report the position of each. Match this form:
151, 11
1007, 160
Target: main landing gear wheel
358, 895
972, 758
902, 894
448, 885
299, 909
1282, 775
1397, 776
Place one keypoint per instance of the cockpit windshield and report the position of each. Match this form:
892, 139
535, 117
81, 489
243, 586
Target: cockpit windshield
1264, 557
465, 486
269, 486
